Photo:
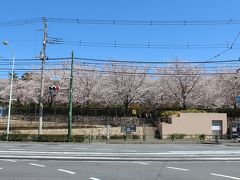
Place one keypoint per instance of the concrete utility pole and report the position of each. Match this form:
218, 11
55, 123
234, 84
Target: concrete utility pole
70, 101
43, 59
11, 87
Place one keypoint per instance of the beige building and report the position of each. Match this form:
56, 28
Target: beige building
195, 124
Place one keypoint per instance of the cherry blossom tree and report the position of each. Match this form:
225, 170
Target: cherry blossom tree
229, 86
86, 80
124, 82
182, 79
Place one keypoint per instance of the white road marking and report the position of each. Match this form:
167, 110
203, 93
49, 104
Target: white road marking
8, 160
129, 150
16, 149
221, 175
93, 178
66, 171
80, 148
27, 160
39, 165
206, 153
9, 146
142, 163
181, 169
104, 149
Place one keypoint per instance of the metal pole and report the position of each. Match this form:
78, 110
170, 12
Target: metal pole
11, 85
43, 58
70, 102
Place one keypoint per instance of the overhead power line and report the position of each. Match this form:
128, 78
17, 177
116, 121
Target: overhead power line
228, 49
124, 22
124, 72
20, 22
144, 22
157, 62
115, 44
92, 60
37, 59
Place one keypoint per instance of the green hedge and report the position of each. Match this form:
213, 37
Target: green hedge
135, 137
58, 138
42, 138
118, 137
166, 114
176, 136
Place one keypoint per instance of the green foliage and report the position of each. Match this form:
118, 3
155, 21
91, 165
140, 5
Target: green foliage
41, 138
192, 111
27, 76
21, 137
52, 138
118, 137
135, 137
202, 137
170, 113
157, 134
172, 137
166, 114
176, 136
78, 138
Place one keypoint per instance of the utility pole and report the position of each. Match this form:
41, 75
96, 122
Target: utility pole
70, 101
43, 59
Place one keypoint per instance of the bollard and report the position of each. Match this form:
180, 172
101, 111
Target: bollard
217, 139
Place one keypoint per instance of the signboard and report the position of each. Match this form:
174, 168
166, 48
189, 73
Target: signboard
238, 101
128, 128
134, 112
55, 78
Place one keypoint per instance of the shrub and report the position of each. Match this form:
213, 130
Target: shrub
135, 137
170, 113
41, 138
52, 138
177, 113
104, 137
157, 134
176, 136
202, 137
172, 137
117, 137
20, 137
78, 138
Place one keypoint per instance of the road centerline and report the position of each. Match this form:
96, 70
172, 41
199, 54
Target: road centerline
8, 160
142, 163
175, 168
39, 165
66, 171
93, 178
225, 176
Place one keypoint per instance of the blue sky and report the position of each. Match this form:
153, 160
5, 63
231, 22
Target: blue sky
26, 40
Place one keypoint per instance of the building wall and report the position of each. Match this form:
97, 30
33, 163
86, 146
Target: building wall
192, 124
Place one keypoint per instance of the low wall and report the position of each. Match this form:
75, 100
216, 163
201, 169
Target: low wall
99, 131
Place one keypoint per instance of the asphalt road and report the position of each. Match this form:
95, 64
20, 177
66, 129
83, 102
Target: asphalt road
25, 161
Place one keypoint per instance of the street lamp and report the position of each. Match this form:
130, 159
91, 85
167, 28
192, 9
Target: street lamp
11, 84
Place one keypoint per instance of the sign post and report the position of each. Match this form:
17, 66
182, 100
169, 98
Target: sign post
238, 101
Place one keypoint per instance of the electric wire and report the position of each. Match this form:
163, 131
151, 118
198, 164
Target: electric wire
144, 22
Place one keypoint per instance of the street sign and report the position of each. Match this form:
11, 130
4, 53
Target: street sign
134, 112
238, 101
55, 78
128, 128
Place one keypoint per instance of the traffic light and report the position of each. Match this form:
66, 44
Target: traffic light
53, 90
58, 89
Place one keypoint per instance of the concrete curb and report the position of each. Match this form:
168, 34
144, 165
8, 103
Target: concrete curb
86, 158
